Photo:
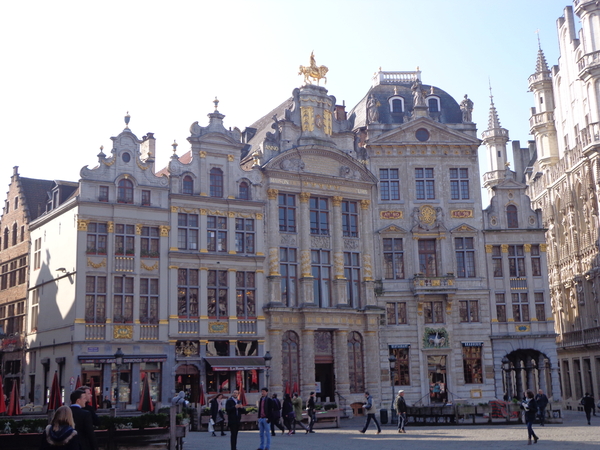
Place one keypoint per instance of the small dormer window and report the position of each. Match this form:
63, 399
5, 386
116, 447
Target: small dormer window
187, 186
433, 103
396, 104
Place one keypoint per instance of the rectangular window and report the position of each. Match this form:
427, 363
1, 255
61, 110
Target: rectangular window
145, 198
244, 235
427, 259
433, 312
520, 307
22, 271
350, 219
540, 308
465, 257
516, 260
37, 256
124, 239
472, 364
187, 231
97, 236
287, 213
321, 268
12, 274
149, 242
217, 294
95, 299
288, 266
149, 300
459, 184
319, 216
216, 231
103, 194
500, 307
389, 184
188, 285
352, 274
245, 299
402, 369
4, 277
393, 259
536, 263
497, 261
425, 183
469, 310
35, 308
396, 313
123, 300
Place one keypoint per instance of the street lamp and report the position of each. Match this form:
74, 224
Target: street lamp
392, 360
119, 355
268, 359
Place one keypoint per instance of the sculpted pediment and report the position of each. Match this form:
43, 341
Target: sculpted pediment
463, 228
438, 134
393, 229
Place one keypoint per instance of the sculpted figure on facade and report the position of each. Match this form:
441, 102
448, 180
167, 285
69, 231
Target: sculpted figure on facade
373, 109
418, 96
466, 106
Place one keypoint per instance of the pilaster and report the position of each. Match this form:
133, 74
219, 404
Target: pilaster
307, 364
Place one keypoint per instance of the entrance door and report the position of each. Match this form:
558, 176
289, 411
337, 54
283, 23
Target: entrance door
325, 376
436, 368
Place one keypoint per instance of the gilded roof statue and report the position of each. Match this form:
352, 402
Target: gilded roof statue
313, 71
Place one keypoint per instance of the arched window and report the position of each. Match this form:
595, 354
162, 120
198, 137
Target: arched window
216, 182
244, 191
433, 103
290, 358
6, 238
14, 234
125, 191
188, 185
512, 218
355, 363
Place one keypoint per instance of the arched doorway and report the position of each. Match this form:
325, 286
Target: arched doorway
525, 369
187, 379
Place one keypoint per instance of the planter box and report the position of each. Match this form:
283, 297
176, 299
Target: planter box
325, 419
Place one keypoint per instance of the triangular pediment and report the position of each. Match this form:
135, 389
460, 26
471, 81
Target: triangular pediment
463, 228
439, 134
393, 229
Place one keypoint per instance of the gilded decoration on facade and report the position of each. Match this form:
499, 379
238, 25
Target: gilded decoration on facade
123, 332
337, 200
504, 248
304, 197
164, 230
527, 248
149, 268
367, 267
82, 224
272, 194
230, 158
218, 327
364, 204
110, 227
391, 215
305, 264
96, 265
461, 214
313, 72
543, 247
307, 117
174, 209
338, 260
435, 338
138, 228
488, 248
202, 154
187, 348
522, 328
327, 125
427, 215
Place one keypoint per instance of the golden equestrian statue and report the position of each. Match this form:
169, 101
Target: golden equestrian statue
313, 71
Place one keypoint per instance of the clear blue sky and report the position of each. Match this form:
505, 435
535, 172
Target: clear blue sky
72, 69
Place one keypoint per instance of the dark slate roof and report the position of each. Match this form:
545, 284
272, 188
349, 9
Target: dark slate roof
36, 195
263, 125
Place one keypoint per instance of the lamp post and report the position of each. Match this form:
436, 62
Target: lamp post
392, 360
268, 359
118, 362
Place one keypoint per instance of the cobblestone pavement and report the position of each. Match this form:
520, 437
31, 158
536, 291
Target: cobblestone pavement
574, 434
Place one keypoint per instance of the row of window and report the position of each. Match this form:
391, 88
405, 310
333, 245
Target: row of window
7, 205
433, 312
188, 233
12, 318
519, 302
12, 237
389, 184
13, 273
97, 238
396, 104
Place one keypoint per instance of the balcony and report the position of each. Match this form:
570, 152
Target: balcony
431, 285
579, 337
518, 283
587, 62
541, 118
188, 326
95, 331
246, 326
148, 332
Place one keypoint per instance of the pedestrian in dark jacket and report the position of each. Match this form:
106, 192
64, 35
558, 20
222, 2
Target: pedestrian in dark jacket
310, 409
401, 411
297, 403
61, 434
234, 410
287, 412
276, 422
542, 401
530, 407
216, 414
83, 420
588, 405
265, 416
370, 409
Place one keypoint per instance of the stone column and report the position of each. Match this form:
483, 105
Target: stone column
372, 363
342, 380
518, 379
542, 374
275, 378
230, 186
307, 362
337, 243
230, 233
203, 240
529, 371
274, 290
366, 220
555, 382
305, 284
506, 276
231, 301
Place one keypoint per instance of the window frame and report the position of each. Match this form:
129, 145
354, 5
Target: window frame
425, 183
125, 190
287, 212
389, 184
288, 266
217, 294
459, 183
319, 216
464, 251
188, 293
392, 258
216, 182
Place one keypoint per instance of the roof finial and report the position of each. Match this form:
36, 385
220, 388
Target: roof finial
174, 145
538, 38
491, 95
216, 102
127, 119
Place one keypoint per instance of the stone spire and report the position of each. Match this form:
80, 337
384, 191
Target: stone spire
495, 139
493, 121
541, 66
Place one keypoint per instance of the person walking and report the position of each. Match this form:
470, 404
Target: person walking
61, 434
297, 404
542, 401
276, 422
310, 409
265, 416
370, 409
216, 414
234, 410
287, 412
83, 420
401, 409
530, 407
588, 405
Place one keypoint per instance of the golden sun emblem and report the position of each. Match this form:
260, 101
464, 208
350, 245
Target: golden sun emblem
427, 214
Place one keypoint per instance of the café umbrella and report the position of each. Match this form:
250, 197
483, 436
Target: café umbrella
14, 408
54, 402
2, 404
146, 404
